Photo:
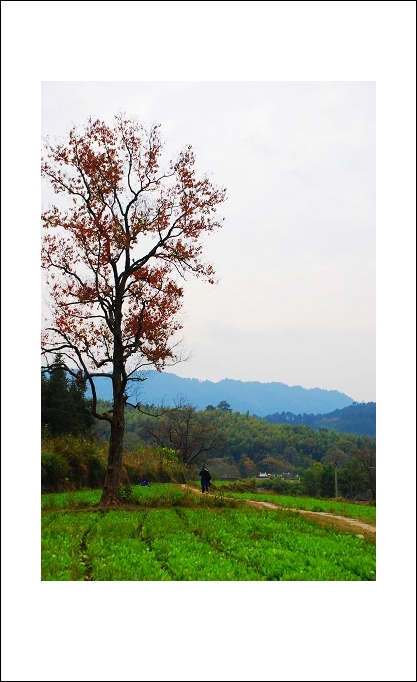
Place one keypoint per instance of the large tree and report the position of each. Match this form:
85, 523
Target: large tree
190, 433
128, 228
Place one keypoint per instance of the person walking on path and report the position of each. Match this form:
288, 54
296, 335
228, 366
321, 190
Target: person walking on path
205, 476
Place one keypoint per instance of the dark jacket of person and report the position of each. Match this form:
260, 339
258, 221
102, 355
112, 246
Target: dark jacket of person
205, 474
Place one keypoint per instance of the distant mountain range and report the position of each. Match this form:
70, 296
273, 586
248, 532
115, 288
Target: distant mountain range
358, 418
260, 399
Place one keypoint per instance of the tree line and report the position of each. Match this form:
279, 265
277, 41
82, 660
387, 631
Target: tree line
235, 445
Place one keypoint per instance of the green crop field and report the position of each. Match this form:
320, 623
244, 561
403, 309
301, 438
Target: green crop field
351, 510
168, 533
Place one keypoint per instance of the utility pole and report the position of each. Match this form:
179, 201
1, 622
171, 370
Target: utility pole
335, 479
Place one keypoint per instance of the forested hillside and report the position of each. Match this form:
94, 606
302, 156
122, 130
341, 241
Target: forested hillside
241, 445
358, 418
171, 444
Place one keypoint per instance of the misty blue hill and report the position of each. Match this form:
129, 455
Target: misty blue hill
357, 418
255, 397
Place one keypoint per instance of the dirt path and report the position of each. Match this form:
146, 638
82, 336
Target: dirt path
342, 523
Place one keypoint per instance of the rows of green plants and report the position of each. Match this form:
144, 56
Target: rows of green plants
195, 543
167, 495
62, 545
71, 499
349, 509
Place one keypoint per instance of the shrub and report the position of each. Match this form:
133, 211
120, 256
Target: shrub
156, 464
126, 493
73, 463
54, 471
96, 471
69, 462
247, 485
279, 486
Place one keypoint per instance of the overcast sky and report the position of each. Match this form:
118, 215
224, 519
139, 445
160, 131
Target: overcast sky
296, 256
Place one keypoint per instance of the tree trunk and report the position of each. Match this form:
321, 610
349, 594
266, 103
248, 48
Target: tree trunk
110, 496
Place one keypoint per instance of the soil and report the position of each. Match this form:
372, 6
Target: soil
342, 523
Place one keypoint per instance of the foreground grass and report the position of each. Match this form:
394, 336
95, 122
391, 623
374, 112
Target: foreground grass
173, 534
157, 495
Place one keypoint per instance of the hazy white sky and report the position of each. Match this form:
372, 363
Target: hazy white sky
296, 255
